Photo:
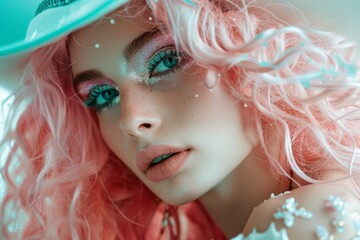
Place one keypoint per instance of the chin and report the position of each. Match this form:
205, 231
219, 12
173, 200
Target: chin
179, 198
178, 201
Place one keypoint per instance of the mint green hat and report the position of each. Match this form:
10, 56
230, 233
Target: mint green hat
52, 20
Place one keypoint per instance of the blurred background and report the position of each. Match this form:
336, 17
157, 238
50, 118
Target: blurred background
341, 16
3, 110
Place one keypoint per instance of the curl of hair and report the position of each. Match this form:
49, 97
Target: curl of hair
64, 183
301, 84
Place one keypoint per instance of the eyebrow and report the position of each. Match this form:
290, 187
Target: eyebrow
139, 42
87, 76
129, 51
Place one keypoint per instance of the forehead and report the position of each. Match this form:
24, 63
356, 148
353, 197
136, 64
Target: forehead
95, 45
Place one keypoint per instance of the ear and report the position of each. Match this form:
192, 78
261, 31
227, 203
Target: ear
212, 78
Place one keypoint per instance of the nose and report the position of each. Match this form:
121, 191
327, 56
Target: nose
139, 114
140, 124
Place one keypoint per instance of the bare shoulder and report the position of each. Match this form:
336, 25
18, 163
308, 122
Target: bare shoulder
315, 211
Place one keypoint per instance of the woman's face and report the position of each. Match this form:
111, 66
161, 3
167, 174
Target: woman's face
179, 137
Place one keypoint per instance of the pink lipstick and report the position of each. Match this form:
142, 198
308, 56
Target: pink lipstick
160, 162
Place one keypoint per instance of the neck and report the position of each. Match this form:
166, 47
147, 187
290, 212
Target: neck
231, 202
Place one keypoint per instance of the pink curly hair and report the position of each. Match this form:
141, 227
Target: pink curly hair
63, 182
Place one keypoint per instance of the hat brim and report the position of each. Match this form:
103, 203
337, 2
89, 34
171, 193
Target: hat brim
46, 28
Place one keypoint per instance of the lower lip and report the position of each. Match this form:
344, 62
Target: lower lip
168, 168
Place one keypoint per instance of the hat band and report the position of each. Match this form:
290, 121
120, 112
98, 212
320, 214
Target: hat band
46, 4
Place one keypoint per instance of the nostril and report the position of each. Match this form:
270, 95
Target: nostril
145, 125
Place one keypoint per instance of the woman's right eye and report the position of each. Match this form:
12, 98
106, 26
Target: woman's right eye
102, 97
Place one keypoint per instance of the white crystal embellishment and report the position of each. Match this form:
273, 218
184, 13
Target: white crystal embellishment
289, 211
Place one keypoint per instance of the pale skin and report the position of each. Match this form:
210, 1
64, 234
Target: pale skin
227, 169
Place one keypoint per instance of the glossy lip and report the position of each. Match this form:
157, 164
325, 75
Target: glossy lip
145, 157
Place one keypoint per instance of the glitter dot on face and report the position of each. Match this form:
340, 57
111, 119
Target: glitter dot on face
196, 95
97, 45
245, 105
150, 18
112, 21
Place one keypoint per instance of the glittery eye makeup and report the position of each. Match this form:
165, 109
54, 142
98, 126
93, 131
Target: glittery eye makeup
99, 94
152, 57
159, 58
165, 62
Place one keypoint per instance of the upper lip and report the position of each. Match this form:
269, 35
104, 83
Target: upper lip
145, 157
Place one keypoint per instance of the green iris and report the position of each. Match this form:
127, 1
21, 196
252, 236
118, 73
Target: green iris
102, 97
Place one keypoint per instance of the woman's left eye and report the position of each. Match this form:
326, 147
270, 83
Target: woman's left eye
166, 61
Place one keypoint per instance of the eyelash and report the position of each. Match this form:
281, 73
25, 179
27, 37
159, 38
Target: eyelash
161, 55
96, 92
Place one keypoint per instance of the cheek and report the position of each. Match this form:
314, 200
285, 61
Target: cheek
107, 132
111, 133
224, 124
107, 123
115, 140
